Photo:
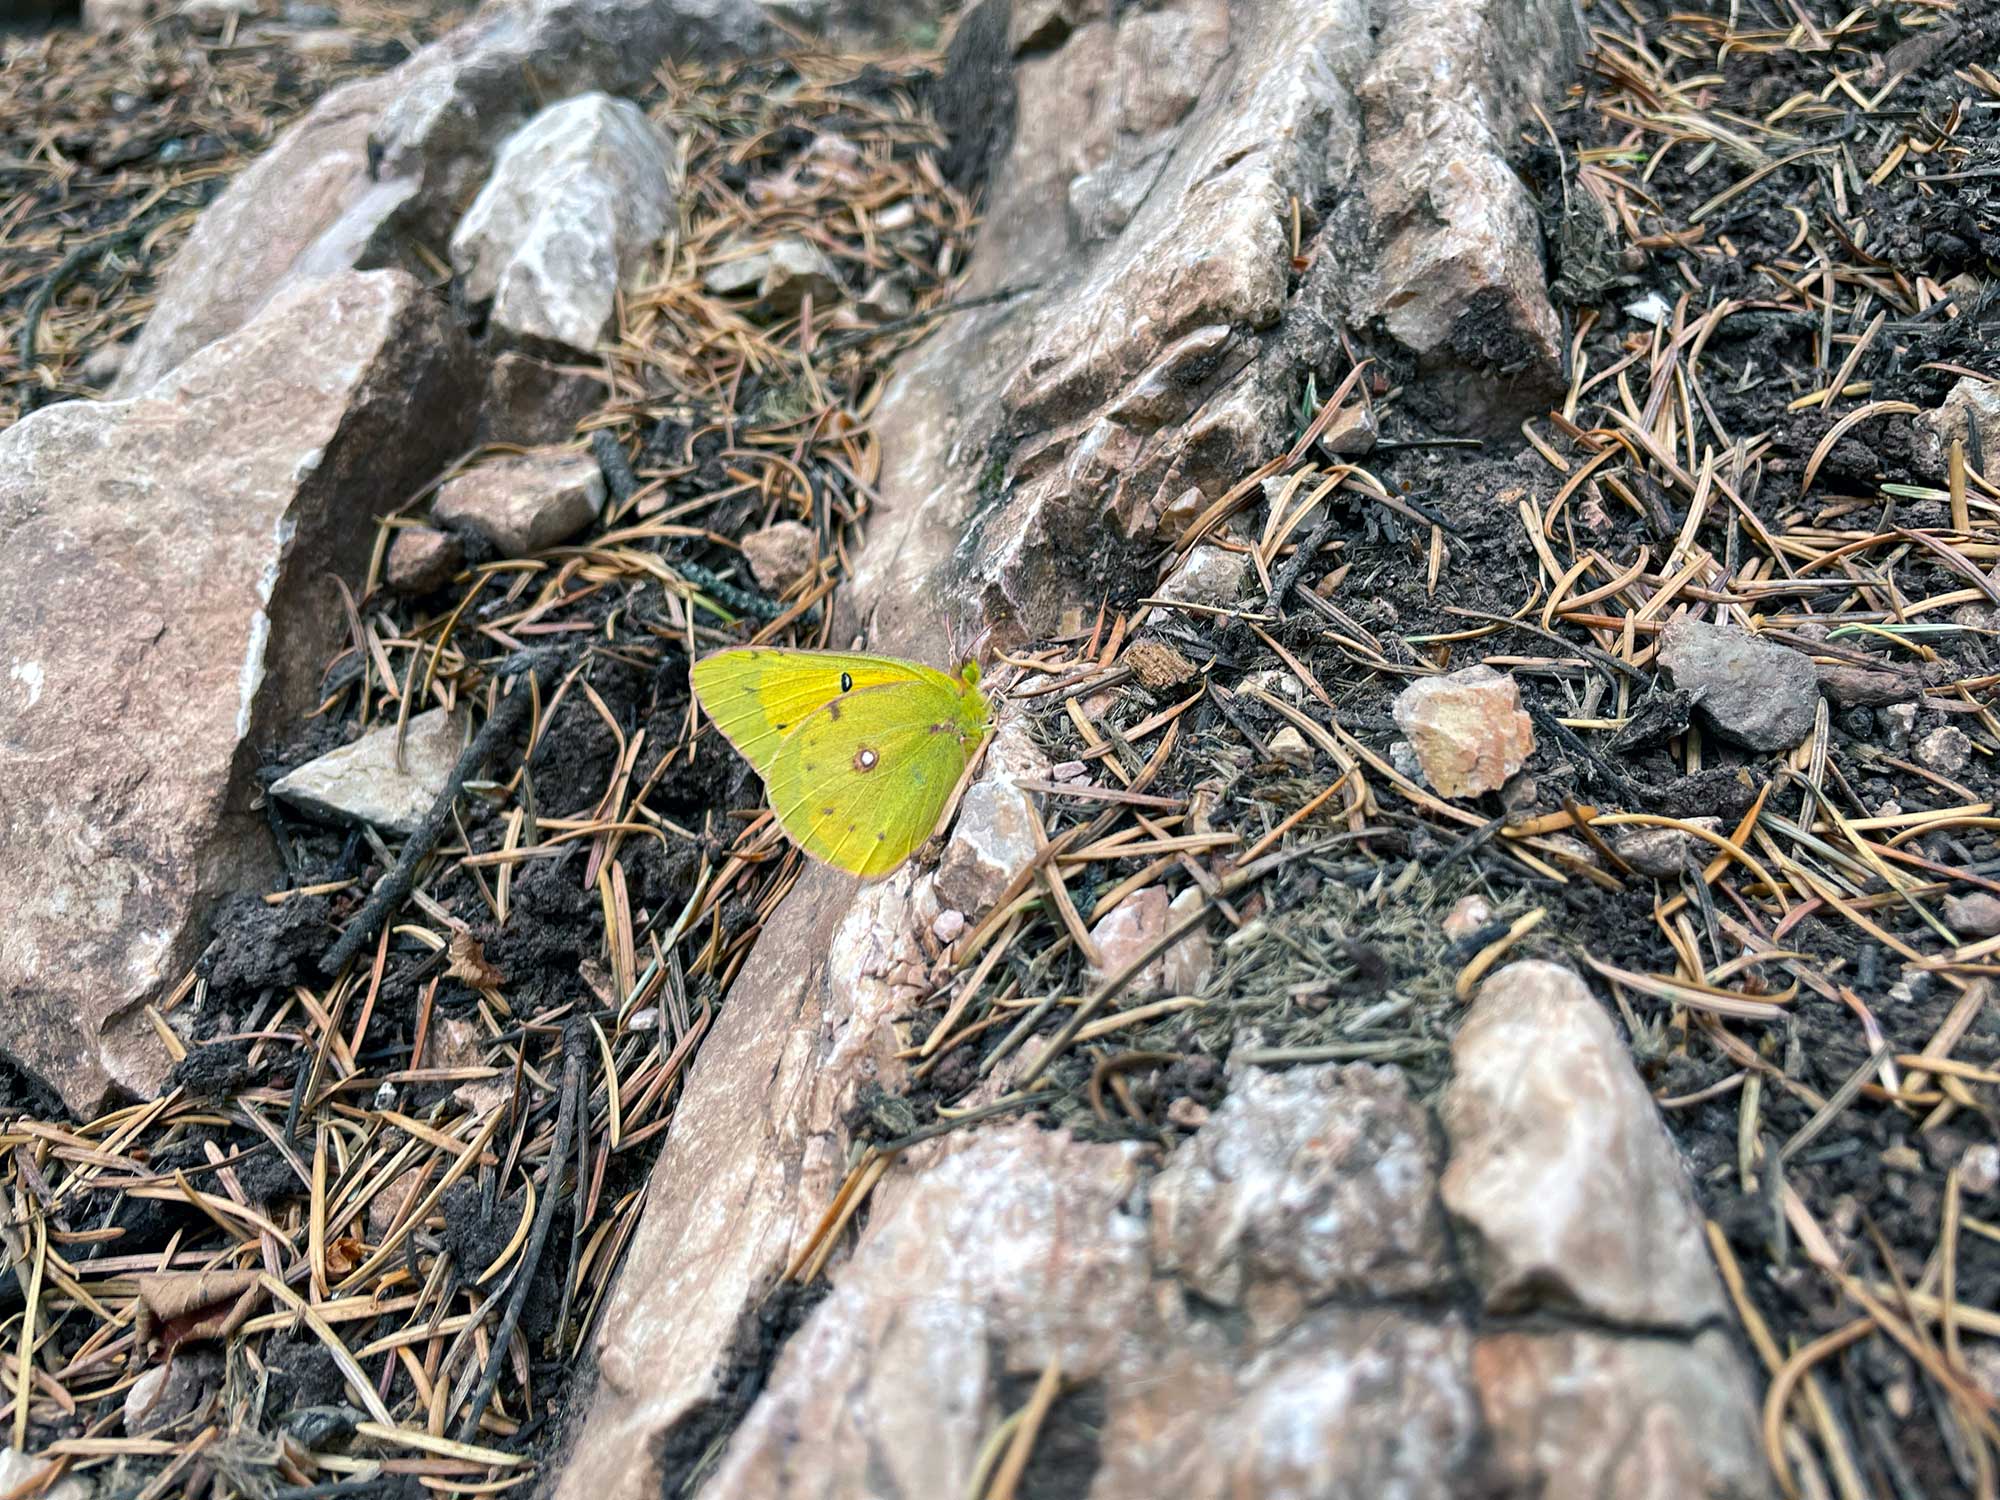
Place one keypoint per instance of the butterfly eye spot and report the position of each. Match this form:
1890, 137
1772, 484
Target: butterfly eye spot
846, 683
865, 759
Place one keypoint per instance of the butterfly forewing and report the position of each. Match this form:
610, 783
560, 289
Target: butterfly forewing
758, 695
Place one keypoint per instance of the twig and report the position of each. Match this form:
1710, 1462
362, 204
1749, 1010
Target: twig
397, 884
575, 1050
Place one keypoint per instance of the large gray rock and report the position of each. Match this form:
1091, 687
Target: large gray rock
301, 211
1759, 694
1028, 446
577, 202
379, 168
1158, 360
191, 531
1304, 1186
1566, 1189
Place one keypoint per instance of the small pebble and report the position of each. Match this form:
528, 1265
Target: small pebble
1945, 750
1289, 747
1470, 915
948, 926
1187, 1114
1659, 852
1979, 1169
1976, 915
1896, 722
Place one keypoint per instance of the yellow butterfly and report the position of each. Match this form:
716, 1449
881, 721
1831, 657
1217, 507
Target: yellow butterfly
858, 753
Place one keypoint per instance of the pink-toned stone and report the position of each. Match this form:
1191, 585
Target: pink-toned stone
1304, 1185
1660, 852
211, 510
1566, 1190
1574, 1412
1468, 729
526, 502
1467, 916
780, 554
993, 839
1975, 915
1141, 920
422, 558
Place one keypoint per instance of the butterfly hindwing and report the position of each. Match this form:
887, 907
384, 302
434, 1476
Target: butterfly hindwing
861, 783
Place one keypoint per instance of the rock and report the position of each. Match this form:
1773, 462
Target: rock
993, 839
1579, 1413
524, 503
19, 1471
1979, 1169
1352, 433
1970, 415
422, 559
1974, 916
531, 403
214, 15
167, 1393
737, 276
781, 554
1468, 915
578, 200
102, 367
886, 300
1017, 1253
110, 17
379, 167
1946, 750
1468, 730
1440, 242
1661, 852
1756, 693
1134, 925
325, 46
1305, 1186
926, 1294
774, 1077
302, 210
1898, 722
795, 269
1148, 387
1208, 575
212, 510
1289, 747
1564, 1185
362, 783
